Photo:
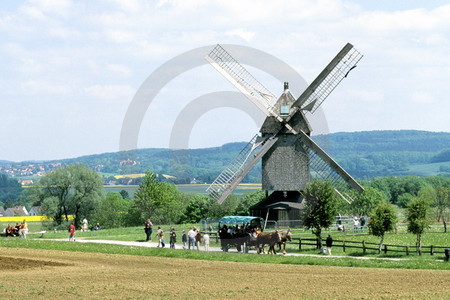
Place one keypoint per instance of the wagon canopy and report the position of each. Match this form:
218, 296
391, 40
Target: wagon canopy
241, 220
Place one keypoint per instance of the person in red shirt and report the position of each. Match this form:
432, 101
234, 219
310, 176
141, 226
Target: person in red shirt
72, 232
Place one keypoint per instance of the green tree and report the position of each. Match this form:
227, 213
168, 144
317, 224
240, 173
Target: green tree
124, 194
159, 201
198, 207
404, 199
247, 201
320, 207
10, 189
227, 208
366, 201
74, 189
113, 211
417, 215
442, 204
382, 219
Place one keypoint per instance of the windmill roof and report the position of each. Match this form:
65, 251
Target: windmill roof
272, 125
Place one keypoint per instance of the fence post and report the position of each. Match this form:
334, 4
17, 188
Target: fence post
385, 249
343, 246
299, 243
364, 246
407, 250
431, 250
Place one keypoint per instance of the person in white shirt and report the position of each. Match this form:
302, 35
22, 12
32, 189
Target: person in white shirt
191, 236
206, 241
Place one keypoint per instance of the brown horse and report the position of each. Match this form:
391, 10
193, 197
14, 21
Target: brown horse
270, 238
285, 236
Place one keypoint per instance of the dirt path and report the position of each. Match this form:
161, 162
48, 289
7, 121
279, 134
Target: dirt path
44, 274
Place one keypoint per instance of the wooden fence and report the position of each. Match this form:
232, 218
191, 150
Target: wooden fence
364, 246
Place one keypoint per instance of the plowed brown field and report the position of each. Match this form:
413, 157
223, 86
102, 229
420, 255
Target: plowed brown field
44, 274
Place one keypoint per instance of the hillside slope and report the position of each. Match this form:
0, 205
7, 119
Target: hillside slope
363, 154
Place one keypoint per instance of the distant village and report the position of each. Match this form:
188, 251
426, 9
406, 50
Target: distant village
19, 211
28, 173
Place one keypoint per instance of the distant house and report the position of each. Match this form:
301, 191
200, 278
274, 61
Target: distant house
16, 211
35, 211
195, 181
26, 182
2, 212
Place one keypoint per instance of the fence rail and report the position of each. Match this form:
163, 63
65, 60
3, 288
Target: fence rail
369, 246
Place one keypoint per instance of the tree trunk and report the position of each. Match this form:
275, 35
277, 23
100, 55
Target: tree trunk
318, 233
419, 244
381, 244
445, 225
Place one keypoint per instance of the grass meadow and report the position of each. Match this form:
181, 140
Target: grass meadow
345, 259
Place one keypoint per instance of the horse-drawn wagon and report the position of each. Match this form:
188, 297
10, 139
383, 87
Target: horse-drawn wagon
238, 231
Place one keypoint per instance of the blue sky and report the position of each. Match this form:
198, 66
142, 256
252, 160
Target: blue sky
70, 69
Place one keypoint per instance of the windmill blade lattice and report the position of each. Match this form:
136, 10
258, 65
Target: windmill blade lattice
223, 62
241, 165
328, 79
324, 167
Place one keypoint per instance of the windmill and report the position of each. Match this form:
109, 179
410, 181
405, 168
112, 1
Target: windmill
290, 158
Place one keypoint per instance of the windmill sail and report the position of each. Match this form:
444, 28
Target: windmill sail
233, 174
328, 79
223, 62
324, 167
320, 163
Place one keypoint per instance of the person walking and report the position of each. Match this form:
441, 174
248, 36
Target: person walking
85, 225
362, 222
160, 235
184, 239
329, 243
173, 238
198, 238
355, 224
148, 228
191, 237
72, 230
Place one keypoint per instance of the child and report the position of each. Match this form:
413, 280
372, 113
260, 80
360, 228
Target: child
72, 232
206, 241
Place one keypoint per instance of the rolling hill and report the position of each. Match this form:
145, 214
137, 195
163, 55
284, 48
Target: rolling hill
363, 154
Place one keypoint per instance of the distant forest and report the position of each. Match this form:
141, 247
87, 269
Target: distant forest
363, 154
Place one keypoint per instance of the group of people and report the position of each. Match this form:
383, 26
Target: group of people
20, 229
190, 240
359, 222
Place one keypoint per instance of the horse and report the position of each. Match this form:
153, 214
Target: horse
284, 237
271, 238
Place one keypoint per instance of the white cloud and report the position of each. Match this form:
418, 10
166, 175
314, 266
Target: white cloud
421, 97
242, 33
119, 69
43, 87
110, 92
101, 51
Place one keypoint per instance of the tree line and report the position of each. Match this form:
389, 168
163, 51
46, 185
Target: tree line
76, 190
